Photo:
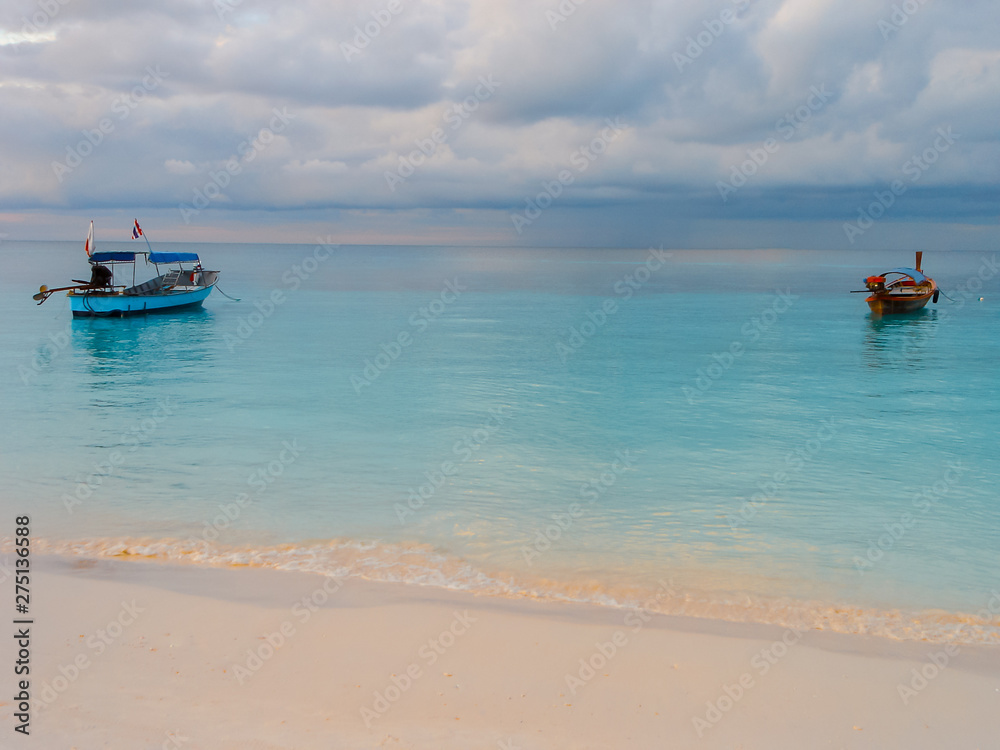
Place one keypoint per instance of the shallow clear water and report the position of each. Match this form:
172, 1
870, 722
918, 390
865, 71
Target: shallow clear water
548, 422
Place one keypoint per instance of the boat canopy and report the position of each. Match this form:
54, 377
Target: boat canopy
911, 272
111, 257
172, 257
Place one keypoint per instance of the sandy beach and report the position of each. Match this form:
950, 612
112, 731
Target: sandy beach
508, 375
128, 654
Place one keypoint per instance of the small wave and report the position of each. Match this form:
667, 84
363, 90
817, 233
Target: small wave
419, 564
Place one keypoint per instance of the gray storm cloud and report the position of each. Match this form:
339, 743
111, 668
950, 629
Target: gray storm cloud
737, 111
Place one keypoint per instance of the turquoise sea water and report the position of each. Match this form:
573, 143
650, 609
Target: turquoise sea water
582, 424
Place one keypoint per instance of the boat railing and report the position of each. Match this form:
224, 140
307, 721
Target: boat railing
170, 279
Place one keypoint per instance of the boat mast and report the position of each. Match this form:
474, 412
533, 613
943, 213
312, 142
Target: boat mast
142, 233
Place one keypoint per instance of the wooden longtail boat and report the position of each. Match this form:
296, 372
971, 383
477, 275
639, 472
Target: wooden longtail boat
901, 290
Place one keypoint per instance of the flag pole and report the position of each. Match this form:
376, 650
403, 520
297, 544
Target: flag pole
142, 233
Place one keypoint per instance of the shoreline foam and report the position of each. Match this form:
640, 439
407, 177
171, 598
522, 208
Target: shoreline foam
421, 565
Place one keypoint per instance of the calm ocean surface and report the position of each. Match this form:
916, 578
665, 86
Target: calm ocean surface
729, 432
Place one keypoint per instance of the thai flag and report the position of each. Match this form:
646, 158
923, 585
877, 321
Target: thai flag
136, 230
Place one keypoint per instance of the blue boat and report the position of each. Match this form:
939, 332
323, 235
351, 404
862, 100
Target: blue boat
113, 291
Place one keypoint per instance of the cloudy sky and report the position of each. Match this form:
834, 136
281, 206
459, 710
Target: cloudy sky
683, 123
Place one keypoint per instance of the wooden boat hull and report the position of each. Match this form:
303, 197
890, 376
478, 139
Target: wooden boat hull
898, 304
104, 304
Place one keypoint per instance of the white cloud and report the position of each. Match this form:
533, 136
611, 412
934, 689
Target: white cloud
354, 118
26, 37
315, 167
177, 166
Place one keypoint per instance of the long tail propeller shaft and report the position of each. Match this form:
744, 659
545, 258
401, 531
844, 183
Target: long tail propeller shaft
44, 292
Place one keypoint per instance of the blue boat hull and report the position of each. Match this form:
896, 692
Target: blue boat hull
91, 304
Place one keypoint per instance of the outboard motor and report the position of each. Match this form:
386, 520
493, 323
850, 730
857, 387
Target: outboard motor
100, 276
875, 284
